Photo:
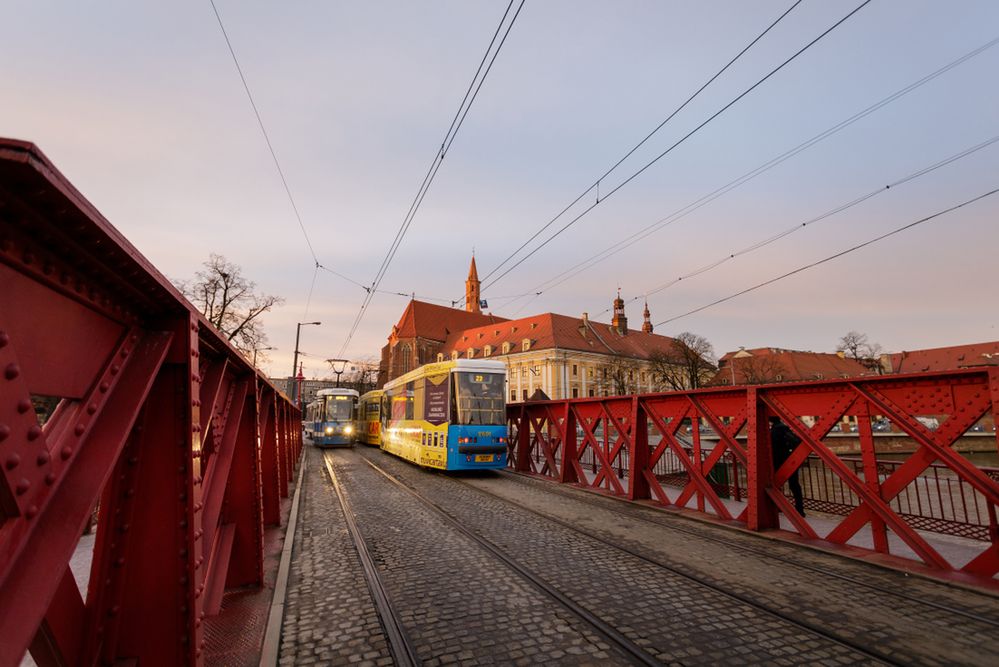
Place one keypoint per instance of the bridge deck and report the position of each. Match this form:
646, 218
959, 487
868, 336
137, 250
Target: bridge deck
543, 573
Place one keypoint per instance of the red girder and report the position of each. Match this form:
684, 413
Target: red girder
159, 422
648, 427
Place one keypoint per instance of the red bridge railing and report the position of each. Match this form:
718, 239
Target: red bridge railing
116, 396
709, 450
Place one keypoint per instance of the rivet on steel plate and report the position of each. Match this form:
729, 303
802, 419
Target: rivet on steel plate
23, 406
22, 487
43, 458
66, 452
50, 478
4, 432
34, 432
12, 461
12, 371
4, 339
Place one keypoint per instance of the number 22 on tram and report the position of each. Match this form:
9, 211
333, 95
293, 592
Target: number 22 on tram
450, 415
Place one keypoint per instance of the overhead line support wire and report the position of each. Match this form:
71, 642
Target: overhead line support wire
746, 177
680, 141
263, 131
596, 184
897, 230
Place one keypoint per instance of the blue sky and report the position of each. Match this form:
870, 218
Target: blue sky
139, 104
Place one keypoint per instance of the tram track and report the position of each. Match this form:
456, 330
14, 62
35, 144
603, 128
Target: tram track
604, 628
672, 524
400, 644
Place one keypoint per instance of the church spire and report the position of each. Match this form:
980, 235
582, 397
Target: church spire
472, 288
620, 321
647, 324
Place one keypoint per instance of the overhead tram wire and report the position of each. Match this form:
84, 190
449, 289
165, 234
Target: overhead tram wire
449, 137
647, 231
634, 148
263, 130
828, 214
677, 143
800, 269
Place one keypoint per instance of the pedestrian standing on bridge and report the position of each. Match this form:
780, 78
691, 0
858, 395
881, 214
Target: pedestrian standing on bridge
783, 442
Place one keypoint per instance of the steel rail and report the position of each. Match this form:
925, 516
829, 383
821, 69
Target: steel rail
629, 648
592, 499
399, 642
804, 625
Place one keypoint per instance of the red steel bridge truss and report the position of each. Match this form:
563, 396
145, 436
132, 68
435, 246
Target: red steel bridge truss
118, 399
619, 445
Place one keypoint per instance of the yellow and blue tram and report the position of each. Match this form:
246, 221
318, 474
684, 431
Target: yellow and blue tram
331, 419
369, 417
449, 415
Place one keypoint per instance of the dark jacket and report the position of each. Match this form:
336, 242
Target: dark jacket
784, 442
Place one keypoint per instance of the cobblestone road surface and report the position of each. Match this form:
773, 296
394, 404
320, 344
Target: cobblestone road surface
460, 605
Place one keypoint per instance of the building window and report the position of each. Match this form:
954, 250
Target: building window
523, 372
471, 353
440, 356
575, 392
642, 376
513, 396
575, 370
525, 344
407, 360
487, 350
605, 373
506, 348
590, 393
589, 374
454, 355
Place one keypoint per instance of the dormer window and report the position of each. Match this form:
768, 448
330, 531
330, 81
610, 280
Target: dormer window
506, 348
481, 335
440, 357
464, 339
454, 356
471, 353
534, 325
525, 345
487, 350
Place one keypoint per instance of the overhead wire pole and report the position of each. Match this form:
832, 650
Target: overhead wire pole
456, 123
677, 143
596, 183
824, 260
682, 212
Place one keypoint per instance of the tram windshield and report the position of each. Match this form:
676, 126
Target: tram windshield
338, 408
479, 398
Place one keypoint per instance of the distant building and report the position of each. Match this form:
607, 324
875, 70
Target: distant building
309, 387
562, 356
765, 365
942, 358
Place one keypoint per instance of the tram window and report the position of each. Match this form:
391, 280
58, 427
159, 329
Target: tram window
479, 398
339, 408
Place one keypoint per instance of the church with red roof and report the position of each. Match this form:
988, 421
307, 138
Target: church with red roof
557, 356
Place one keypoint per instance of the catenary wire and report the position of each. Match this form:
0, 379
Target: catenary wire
800, 269
680, 213
435, 166
677, 143
596, 183
263, 131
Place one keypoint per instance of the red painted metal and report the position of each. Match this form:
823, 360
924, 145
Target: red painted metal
709, 451
159, 422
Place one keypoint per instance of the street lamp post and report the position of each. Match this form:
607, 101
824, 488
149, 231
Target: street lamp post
260, 349
333, 362
294, 365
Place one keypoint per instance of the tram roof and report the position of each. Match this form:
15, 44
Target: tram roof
336, 391
463, 365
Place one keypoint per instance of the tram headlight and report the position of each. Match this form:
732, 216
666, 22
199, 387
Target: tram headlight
329, 430
348, 429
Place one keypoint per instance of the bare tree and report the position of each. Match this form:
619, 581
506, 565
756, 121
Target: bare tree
229, 301
618, 376
362, 375
688, 363
761, 369
857, 346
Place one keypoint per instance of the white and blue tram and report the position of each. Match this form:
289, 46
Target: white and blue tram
331, 419
449, 415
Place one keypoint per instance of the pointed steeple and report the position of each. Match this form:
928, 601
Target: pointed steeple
472, 288
620, 321
647, 324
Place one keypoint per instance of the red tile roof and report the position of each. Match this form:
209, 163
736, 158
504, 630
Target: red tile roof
789, 365
427, 320
549, 331
945, 358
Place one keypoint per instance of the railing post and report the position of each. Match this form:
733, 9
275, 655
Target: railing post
567, 471
523, 441
638, 456
762, 512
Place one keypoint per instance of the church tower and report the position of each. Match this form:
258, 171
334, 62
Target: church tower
620, 321
647, 324
472, 289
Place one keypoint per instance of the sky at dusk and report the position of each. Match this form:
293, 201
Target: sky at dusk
139, 104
